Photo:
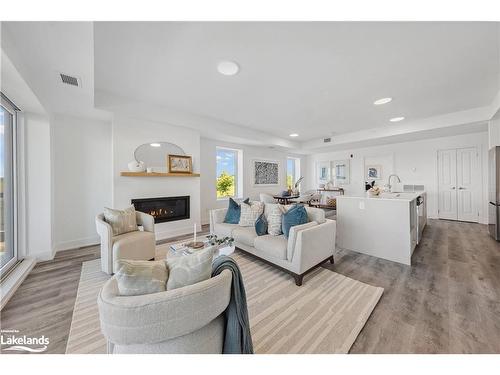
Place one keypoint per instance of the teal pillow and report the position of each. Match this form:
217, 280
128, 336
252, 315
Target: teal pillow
296, 215
234, 211
261, 225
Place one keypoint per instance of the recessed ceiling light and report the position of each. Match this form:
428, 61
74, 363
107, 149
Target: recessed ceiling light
155, 144
294, 135
382, 101
228, 68
396, 119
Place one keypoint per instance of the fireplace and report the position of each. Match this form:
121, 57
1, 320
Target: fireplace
165, 208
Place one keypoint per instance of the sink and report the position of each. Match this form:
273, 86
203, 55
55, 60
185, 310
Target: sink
387, 195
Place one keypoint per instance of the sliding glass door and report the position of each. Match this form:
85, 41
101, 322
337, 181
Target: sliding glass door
8, 251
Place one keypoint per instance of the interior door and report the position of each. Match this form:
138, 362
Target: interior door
467, 180
447, 184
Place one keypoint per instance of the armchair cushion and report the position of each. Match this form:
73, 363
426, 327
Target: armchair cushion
136, 245
121, 221
189, 269
137, 277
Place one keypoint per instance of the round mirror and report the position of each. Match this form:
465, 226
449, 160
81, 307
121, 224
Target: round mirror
154, 155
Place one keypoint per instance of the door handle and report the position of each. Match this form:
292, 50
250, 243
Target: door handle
453, 188
461, 188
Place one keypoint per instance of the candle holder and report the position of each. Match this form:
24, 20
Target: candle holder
195, 245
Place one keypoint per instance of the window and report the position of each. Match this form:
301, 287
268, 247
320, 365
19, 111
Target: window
8, 250
292, 172
228, 166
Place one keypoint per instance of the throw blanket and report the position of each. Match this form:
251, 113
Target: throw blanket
237, 339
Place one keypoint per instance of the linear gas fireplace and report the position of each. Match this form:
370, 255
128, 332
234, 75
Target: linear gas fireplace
165, 208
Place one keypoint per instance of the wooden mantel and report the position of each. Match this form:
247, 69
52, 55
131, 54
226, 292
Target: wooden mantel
156, 174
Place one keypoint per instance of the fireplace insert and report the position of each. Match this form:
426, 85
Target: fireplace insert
164, 209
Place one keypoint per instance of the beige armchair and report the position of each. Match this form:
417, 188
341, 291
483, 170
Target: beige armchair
136, 245
187, 320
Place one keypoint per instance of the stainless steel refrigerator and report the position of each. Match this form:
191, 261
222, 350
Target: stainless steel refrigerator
494, 193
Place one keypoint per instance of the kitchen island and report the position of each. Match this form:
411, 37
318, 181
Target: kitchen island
388, 226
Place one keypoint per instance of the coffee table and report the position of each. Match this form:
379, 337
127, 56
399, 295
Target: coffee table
179, 249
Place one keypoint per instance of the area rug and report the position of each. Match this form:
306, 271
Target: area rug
324, 315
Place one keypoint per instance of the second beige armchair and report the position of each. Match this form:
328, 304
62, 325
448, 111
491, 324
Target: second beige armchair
136, 245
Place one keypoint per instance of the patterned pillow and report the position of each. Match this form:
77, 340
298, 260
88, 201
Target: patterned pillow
137, 277
189, 269
274, 216
121, 221
250, 212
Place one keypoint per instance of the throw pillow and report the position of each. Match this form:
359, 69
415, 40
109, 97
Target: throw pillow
296, 215
189, 269
121, 221
261, 225
250, 212
234, 211
273, 215
136, 277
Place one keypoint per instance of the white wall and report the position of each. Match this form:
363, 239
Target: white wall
128, 133
414, 162
208, 170
82, 176
36, 187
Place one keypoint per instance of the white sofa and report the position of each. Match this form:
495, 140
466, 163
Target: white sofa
136, 245
187, 320
308, 246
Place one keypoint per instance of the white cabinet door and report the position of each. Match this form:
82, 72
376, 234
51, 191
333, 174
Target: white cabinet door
447, 184
467, 181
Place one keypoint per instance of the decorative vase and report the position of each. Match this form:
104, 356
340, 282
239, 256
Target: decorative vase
136, 166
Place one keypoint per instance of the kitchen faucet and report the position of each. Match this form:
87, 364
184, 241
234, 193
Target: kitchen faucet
389, 180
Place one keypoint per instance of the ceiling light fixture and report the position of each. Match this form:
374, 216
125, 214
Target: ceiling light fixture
294, 135
382, 101
155, 144
396, 119
228, 68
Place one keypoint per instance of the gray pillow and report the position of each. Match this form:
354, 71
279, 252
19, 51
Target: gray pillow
121, 221
137, 277
189, 269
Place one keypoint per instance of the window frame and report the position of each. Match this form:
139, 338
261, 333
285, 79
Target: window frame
8, 106
237, 167
296, 170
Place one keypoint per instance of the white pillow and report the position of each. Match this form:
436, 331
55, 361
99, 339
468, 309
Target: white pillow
274, 214
250, 212
121, 221
137, 277
189, 269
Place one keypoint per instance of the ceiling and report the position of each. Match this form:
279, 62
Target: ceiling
317, 79
312, 78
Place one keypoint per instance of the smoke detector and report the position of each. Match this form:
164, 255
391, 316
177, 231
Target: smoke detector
70, 80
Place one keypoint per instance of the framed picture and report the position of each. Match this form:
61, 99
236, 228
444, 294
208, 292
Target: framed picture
373, 172
323, 170
266, 172
341, 171
180, 164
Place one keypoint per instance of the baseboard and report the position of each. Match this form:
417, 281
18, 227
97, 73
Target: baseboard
75, 244
162, 235
14, 279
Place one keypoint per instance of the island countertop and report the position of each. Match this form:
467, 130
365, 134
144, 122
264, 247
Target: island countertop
406, 196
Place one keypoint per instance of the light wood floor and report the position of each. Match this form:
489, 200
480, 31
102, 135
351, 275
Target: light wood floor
447, 302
